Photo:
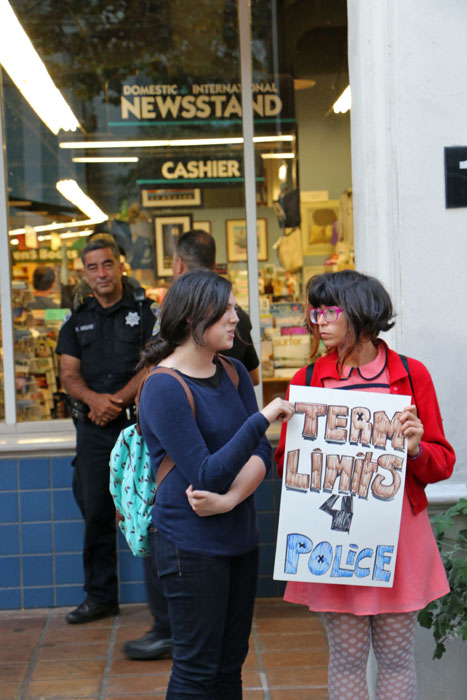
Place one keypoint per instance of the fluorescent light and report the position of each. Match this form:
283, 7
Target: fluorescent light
110, 159
272, 139
344, 102
24, 66
69, 234
73, 192
163, 143
268, 156
57, 227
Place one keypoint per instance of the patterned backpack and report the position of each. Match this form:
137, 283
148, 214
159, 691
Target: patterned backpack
132, 484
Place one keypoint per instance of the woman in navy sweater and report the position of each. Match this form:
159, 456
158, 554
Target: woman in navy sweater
208, 565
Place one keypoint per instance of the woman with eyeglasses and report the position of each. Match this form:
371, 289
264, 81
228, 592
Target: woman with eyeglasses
347, 311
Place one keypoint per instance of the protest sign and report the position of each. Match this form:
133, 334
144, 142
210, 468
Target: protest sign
342, 488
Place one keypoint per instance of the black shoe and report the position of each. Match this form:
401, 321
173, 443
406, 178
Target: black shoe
148, 647
88, 612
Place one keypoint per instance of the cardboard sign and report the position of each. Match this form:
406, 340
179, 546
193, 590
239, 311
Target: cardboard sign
342, 488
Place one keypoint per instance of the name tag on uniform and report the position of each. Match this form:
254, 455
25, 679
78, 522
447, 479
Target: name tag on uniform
86, 327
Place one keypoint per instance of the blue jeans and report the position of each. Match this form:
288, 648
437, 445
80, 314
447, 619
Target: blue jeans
211, 603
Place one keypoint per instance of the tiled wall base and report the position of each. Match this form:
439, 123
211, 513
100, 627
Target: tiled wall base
41, 534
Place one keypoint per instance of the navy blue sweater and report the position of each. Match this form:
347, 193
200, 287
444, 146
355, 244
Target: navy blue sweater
208, 453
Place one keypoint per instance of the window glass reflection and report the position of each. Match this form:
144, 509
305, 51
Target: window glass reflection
153, 147
306, 196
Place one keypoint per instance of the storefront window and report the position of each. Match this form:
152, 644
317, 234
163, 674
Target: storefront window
307, 196
139, 134
151, 135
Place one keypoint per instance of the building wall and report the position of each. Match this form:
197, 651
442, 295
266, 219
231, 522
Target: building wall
409, 98
432, 115
41, 535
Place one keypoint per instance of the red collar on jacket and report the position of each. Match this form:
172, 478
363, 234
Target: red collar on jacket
326, 366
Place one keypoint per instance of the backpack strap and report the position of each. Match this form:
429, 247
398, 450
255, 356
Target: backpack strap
230, 368
309, 373
405, 362
167, 463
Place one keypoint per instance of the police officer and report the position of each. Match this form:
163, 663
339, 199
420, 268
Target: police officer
99, 346
194, 249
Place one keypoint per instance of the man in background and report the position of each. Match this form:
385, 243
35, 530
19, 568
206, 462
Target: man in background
43, 280
198, 249
194, 249
99, 346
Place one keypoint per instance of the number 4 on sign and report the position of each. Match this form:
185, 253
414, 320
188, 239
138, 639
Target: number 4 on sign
341, 519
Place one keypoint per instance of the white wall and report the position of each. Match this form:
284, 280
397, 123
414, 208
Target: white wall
409, 91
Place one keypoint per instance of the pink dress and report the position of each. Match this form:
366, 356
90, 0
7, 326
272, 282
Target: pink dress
419, 576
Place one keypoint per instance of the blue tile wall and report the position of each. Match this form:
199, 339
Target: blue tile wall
9, 539
38, 597
10, 598
68, 596
10, 573
64, 505
41, 532
36, 538
68, 568
35, 505
37, 571
34, 474
62, 472
8, 507
8, 475
68, 536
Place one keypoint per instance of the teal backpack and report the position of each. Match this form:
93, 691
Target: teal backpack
132, 484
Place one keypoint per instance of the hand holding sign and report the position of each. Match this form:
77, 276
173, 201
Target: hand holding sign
412, 429
278, 409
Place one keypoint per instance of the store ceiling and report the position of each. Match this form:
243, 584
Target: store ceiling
312, 44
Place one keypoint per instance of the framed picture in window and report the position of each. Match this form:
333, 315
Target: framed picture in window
168, 198
318, 220
203, 226
236, 239
168, 229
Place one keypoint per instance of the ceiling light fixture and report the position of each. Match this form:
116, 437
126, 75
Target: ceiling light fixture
344, 102
56, 227
26, 69
68, 234
161, 143
73, 192
110, 159
270, 156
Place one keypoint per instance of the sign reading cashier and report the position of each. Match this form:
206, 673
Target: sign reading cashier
195, 170
199, 169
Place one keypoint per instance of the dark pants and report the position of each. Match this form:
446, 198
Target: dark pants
91, 491
211, 603
156, 601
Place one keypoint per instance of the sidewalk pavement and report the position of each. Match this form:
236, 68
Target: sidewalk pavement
44, 658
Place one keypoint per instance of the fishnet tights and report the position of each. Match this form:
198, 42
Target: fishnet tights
392, 636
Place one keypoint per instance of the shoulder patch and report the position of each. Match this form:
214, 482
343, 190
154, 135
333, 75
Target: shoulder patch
67, 318
155, 311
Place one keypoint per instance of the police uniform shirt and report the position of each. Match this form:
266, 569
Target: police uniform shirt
243, 348
107, 341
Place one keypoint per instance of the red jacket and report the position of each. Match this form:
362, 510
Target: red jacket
437, 457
